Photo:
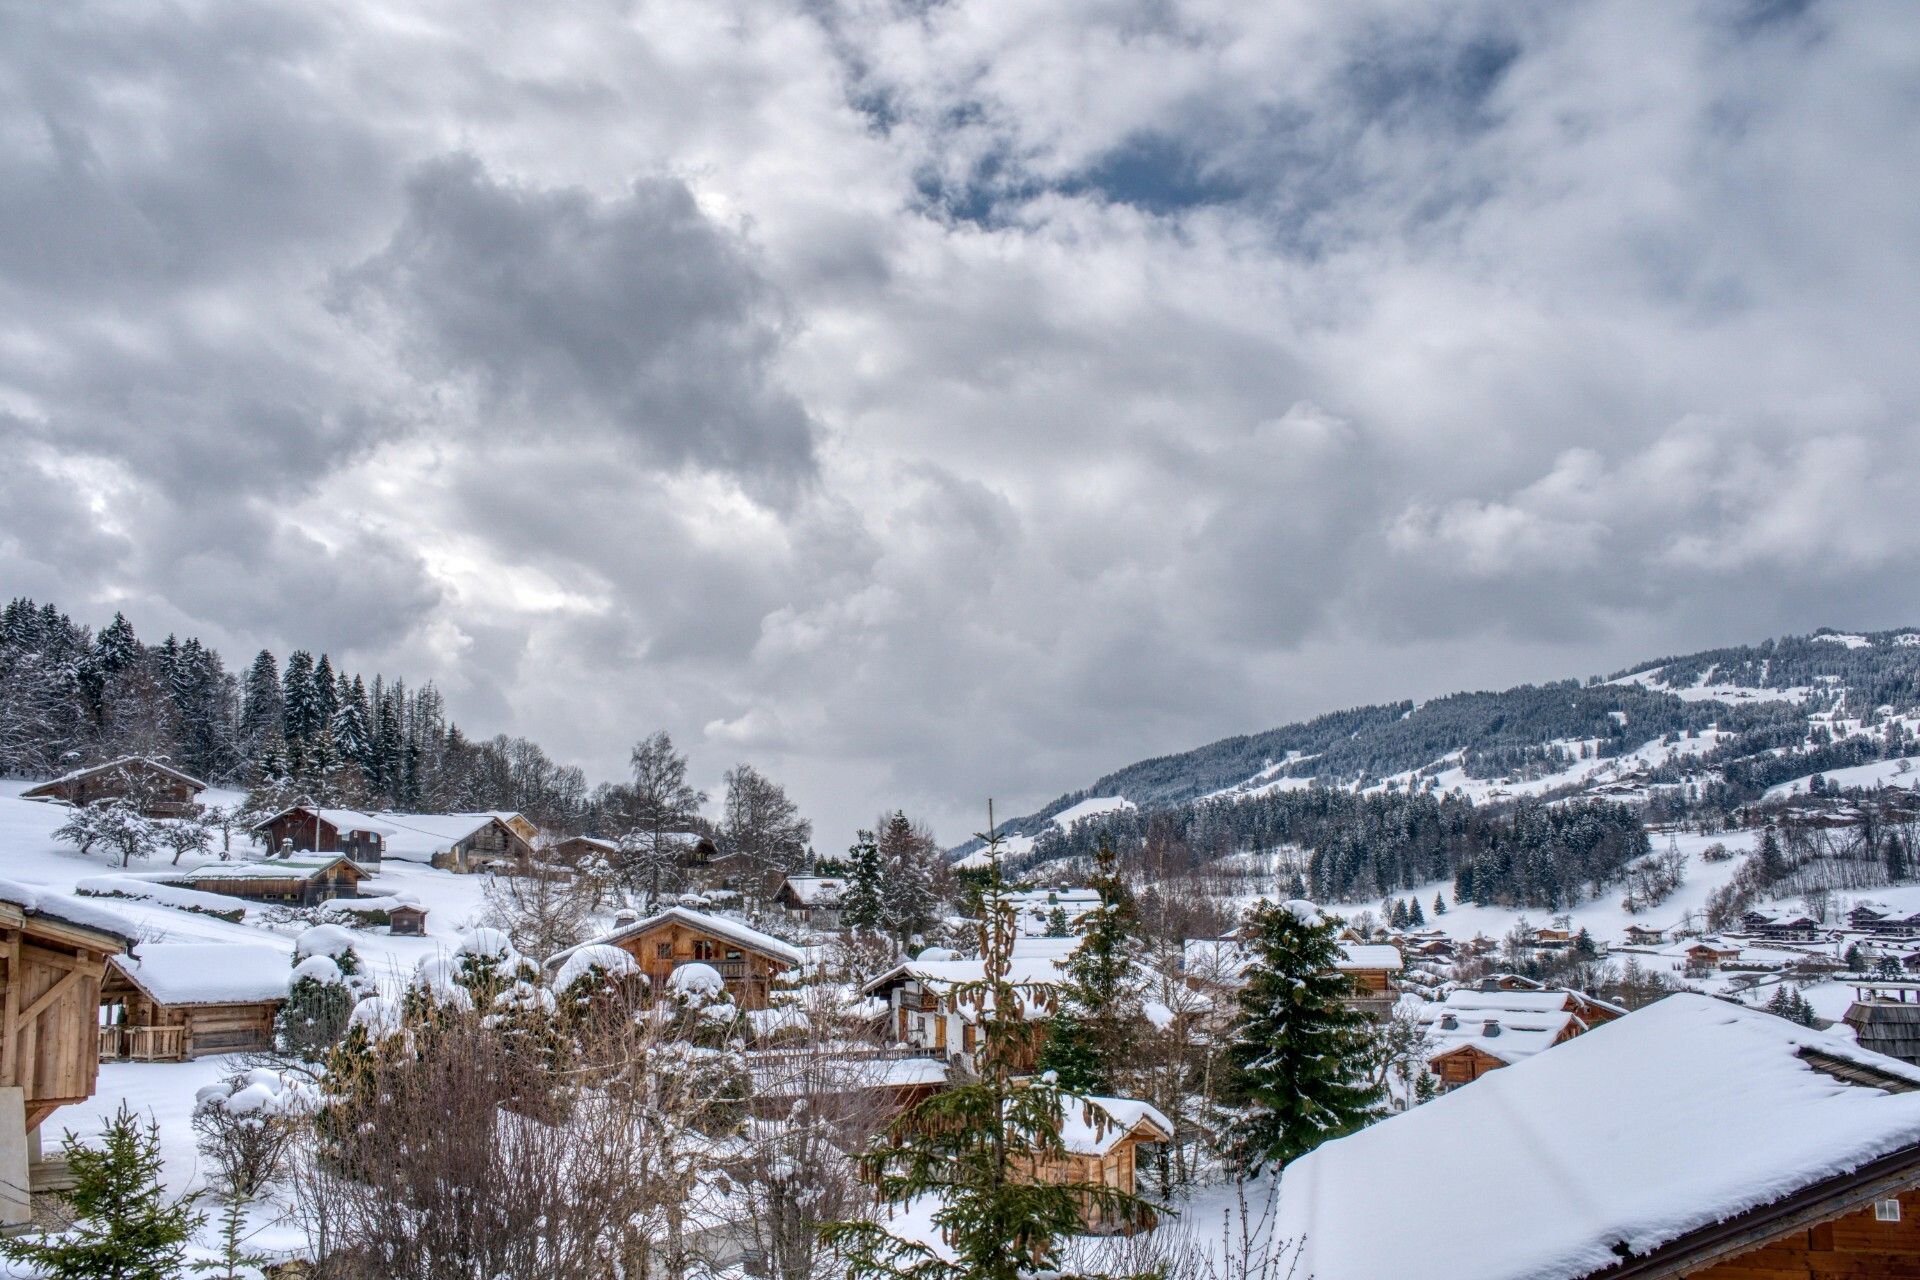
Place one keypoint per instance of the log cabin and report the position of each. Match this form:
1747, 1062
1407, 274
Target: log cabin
55, 951
924, 1015
299, 880
1608, 1159
748, 961
159, 790
461, 842
580, 851
172, 1001
310, 829
811, 900
407, 921
1102, 1138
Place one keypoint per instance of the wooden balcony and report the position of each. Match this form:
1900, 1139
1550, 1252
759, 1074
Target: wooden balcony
143, 1044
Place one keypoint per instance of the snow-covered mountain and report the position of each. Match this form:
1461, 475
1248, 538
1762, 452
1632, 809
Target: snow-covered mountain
1720, 728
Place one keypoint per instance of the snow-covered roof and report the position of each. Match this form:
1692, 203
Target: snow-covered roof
87, 771
817, 891
1356, 956
941, 976
719, 926
33, 900
338, 819
419, 836
207, 972
1511, 1035
298, 867
1619, 1138
1094, 1126
1464, 999
605, 846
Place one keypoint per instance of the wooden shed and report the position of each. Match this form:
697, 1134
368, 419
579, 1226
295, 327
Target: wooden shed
171, 1001
55, 952
407, 920
299, 880
311, 829
160, 790
748, 961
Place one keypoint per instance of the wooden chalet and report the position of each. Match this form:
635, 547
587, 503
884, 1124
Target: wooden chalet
811, 900
580, 851
748, 961
309, 829
1102, 1138
923, 1016
1657, 1191
1374, 969
171, 1001
160, 790
1645, 935
55, 954
1781, 926
460, 842
1884, 922
301, 880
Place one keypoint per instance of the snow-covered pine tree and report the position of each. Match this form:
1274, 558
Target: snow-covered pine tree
906, 892
860, 906
1439, 904
973, 1147
1415, 916
1097, 1029
1298, 1053
124, 1226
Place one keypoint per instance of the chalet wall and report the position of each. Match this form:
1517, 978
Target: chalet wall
1856, 1247
664, 948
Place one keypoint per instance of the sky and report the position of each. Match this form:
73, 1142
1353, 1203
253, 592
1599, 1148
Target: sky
930, 401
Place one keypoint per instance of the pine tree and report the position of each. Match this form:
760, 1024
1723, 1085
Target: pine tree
300, 714
906, 891
973, 1147
1439, 904
124, 1228
1415, 916
1298, 1052
860, 908
1096, 1031
1895, 855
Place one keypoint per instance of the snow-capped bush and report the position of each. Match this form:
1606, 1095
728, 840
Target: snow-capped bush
247, 1122
439, 979
596, 962
696, 980
328, 940
483, 941
321, 969
380, 1017
938, 953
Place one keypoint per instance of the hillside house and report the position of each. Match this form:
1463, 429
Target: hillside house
1218, 966
1645, 935
1471, 1033
811, 900
172, 1001
1040, 911
1710, 953
1591, 1010
54, 950
1102, 1138
159, 790
1656, 1189
305, 880
1782, 926
1895, 924
581, 851
312, 829
748, 960
924, 1013
461, 842
407, 920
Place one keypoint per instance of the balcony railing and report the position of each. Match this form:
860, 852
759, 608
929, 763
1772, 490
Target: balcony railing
143, 1044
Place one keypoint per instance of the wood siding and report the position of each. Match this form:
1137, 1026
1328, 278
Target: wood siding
48, 1044
667, 946
1854, 1247
204, 1028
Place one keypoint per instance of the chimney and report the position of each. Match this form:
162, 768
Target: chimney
1449, 1023
1492, 1027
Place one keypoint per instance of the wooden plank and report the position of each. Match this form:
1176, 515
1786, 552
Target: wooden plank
68, 981
10, 1015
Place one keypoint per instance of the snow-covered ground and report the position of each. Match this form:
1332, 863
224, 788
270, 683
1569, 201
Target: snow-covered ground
1090, 807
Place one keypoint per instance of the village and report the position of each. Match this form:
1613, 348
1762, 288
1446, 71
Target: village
318, 941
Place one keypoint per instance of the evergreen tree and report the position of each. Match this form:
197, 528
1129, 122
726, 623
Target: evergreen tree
1584, 946
860, 904
1058, 925
1439, 904
1415, 916
124, 1228
1895, 856
300, 713
972, 1147
906, 892
1298, 1052
1096, 1031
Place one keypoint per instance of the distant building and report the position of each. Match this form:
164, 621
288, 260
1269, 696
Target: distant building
300, 880
310, 829
1645, 935
812, 900
922, 1013
581, 851
407, 920
747, 960
171, 1001
1218, 965
160, 790
1781, 926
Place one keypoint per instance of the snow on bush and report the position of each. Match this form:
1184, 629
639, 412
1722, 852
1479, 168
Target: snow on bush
321, 969
438, 978
381, 1016
938, 953
323, 940
696, 979
609, 961
491, 943
246, 1124
525, 997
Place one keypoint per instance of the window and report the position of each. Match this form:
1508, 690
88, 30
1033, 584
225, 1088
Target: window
664, 950
734, 955
702, 949
1886, 1211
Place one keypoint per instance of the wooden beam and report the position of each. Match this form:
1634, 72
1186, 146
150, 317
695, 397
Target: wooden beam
10, 1014
92, 965
68, 981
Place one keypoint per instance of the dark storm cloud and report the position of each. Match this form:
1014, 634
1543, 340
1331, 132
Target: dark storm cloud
570, 314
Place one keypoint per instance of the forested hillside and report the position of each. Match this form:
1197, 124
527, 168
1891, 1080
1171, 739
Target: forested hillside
70, 696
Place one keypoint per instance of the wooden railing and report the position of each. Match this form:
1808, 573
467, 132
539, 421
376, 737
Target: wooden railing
143, 1044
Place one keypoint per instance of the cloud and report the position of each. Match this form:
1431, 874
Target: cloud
934, 402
